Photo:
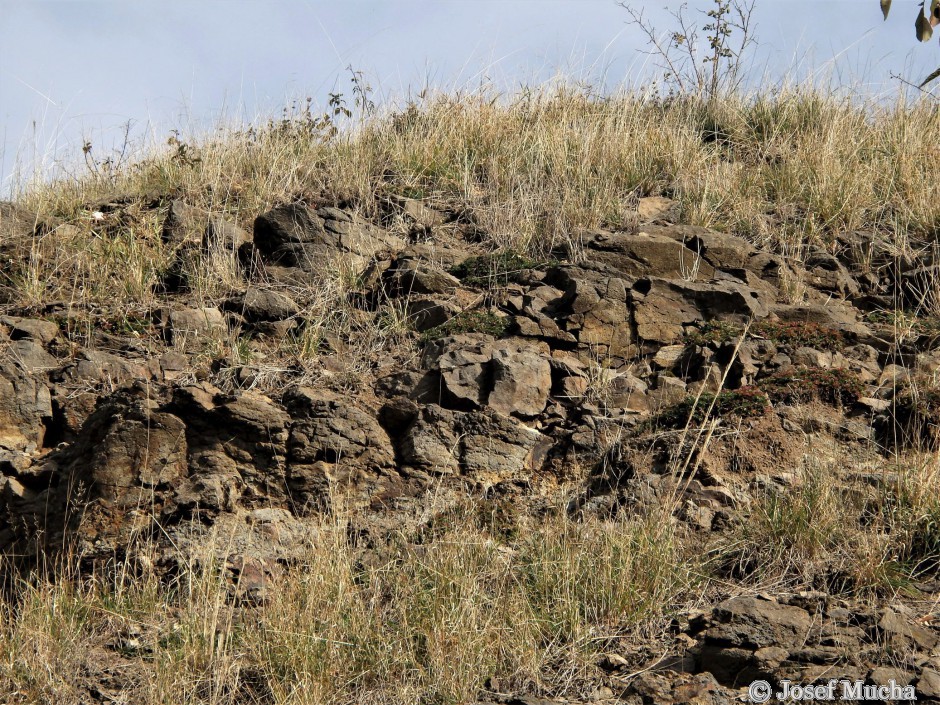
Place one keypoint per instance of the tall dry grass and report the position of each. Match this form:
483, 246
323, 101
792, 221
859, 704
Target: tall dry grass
534, 169
435, 622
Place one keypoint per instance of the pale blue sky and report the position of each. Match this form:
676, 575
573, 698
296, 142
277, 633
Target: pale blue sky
75, 69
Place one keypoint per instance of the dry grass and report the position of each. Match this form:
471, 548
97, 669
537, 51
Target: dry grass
467, 610
430, 623
533, 170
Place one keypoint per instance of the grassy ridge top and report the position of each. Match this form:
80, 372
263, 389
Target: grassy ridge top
783, 169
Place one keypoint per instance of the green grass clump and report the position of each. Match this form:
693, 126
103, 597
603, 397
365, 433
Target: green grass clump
468, 322
744, 403
798, 334
496, 269
803, 384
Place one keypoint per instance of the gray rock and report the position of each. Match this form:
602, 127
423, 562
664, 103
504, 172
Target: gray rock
410, 276
295, 236
810, 357
431, 442
43, 332
193, 323
30, 356
522, 380
424, 314
465, 371
263, 305
594, 309
494, 448
188, 225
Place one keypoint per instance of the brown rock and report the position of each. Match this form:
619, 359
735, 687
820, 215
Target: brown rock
494, 447
431, 442
465, 371
649, 254
25, 404
333, 443
663, 308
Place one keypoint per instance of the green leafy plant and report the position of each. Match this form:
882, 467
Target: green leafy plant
803, 384
468, 322
744, 403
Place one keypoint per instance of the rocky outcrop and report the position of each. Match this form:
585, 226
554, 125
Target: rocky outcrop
486, 375
295, 235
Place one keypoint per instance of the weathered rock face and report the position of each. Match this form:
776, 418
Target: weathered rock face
570, 371
237, 448
511, 376
188, 324
25, 407
130, 455
187, 225
650, 254
522, 379
484, 446
333, 443
664, 308
595, 309
805, 638
294, 235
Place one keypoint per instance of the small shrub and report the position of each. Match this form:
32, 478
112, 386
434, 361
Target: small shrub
798, 334
747, 402
803, 384
496, 269
468, 322
714, 333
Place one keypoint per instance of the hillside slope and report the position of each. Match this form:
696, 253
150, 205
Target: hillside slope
600, 400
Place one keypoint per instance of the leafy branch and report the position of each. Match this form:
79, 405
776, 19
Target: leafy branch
709, 66
927, 19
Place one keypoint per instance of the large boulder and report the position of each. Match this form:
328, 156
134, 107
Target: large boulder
295, 235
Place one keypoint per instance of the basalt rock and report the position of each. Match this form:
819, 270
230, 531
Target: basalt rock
334, 443
295, 235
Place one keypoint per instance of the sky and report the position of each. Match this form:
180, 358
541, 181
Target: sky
73, 71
